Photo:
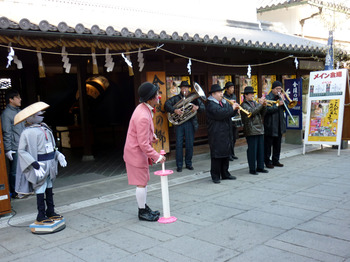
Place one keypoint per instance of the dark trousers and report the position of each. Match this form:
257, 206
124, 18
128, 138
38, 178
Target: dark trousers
12, 173
255, 152
234, 131
219, 168
275, 143
184, 131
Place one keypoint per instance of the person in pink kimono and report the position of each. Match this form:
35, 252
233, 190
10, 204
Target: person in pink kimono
138, 150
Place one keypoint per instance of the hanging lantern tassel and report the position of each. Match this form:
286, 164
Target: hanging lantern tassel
65, 60
338, 64
10, 57
140, 60
296, 63
249, 73
94, 61
189, 66
17, 62
109, 61
128, 62
40, 64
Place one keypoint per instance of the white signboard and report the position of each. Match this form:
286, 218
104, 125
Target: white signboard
325, 108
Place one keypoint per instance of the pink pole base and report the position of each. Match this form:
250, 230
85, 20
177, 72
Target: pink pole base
163, 173
167, 220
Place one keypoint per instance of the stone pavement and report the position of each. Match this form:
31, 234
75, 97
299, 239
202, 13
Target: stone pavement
300, 212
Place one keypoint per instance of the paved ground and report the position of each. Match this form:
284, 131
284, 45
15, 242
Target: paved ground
300, 212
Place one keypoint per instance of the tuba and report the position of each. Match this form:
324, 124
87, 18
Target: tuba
186, 106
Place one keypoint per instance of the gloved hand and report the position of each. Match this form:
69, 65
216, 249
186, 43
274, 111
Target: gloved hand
9, 154
40, 173
61, 158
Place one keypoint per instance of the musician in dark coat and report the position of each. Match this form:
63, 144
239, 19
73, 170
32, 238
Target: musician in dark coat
185, 130
219, 113
275, 126
230, 95
253, 129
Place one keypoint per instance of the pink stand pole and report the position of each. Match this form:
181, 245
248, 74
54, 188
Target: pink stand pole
165, 193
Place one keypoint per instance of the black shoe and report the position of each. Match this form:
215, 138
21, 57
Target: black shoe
252, 172
261, 170
216, 181
231, 158
179, 169
144, 214
278, 164
230, 177
269, 166
155, 212
189, 167
234, 157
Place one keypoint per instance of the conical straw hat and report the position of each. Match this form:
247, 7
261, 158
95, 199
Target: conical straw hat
29, 111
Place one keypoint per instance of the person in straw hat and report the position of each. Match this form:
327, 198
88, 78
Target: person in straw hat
37, 161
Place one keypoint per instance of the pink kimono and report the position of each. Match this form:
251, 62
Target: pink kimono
138, 150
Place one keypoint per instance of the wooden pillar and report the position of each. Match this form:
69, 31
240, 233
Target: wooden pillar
85, 129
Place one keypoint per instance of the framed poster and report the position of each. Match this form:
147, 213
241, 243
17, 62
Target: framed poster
245, 81
172, 85
160, 119
221, 80
325, 107
293, 89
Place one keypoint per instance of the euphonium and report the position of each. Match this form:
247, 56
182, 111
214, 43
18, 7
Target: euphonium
240, 108
186, 106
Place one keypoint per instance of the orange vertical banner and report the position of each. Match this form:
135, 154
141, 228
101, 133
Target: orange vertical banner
160, 119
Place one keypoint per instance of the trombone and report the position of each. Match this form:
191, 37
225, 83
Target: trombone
272, 102
240, 108
292, 103
286, 107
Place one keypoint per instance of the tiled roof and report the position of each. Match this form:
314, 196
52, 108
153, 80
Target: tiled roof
342, 6
108, 23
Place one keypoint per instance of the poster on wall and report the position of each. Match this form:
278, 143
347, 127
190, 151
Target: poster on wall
221, 80
325, 108
172, 84
267, 81
293, 90
160, 119
245, 81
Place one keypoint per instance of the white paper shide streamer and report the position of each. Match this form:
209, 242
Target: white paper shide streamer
189, 66
249, 73
109, 61
140, 60
10, 57
65, 60
296, 63
127, 61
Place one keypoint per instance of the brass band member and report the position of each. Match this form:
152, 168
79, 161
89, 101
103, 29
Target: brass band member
229, 94
219, 113
185, 130
275, 126
253, 129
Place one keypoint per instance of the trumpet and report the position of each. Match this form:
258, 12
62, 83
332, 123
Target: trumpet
240, 108
292, 103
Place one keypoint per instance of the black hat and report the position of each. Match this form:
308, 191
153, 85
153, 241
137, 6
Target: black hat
228, 84
248, 90
184, 83
276, 84
215, 88
146, 91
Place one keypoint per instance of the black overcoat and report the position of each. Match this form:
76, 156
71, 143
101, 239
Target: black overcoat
219, 127
274, 118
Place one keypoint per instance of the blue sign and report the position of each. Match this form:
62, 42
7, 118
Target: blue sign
293, 88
